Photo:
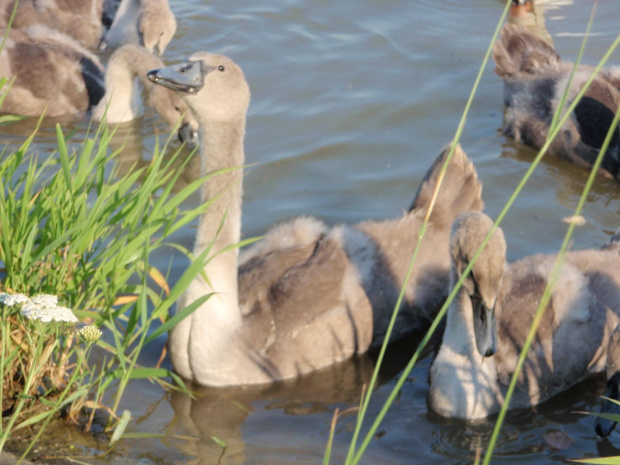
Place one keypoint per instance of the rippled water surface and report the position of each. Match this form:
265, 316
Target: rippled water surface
351, 101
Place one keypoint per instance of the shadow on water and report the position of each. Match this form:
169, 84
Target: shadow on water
221, 412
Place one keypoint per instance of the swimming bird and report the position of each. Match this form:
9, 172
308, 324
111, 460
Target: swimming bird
98, 23
82, 20
307, 295
488, 321
604, 427
56, 75
535, 78
147, 22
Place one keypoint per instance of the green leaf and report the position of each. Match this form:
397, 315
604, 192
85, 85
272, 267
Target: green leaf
63, 154
120, 427
144, 436
219, 442
600, 461
180, 315
7, 119
142, 373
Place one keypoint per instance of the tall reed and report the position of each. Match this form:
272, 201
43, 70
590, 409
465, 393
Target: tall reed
355, 454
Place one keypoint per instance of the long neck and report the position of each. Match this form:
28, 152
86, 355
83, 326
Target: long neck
220, 226
124, 28
459, 335
223, 150
122, 99
463, 384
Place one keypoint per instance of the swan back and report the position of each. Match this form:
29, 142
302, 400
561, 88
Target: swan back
53, 74
535, 80
381, 250
80, 20
519, 52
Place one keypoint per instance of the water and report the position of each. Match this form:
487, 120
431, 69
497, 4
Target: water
350, 104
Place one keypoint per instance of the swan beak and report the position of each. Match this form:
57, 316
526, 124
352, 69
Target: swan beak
187, 78
484, 327
604, 426
188, 135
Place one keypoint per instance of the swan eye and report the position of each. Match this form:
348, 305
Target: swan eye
221, 68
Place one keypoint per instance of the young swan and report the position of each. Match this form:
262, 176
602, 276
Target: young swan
535, 79
307, 295
147, 22
82, 20
122, 100
603, 426
55, 75
571, 342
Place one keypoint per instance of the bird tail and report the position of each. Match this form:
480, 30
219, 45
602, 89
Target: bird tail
459, 191
519, 51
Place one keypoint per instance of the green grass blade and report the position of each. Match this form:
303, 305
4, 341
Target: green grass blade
353, 456
600, 461
120, 428
555, 272
63, 154
179, 316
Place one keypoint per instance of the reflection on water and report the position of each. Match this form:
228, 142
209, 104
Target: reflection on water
531, 15
349, 107
220, 413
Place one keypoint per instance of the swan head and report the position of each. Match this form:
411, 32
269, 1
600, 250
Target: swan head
481, 286
213, 86
175, 111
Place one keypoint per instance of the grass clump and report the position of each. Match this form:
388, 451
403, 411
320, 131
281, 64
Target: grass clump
74, 228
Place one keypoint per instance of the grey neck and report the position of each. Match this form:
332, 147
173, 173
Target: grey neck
222, 150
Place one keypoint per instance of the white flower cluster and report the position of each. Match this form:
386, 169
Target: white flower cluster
13, 299
43, 307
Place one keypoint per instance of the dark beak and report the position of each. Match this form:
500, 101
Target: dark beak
484, 327
186, 77
188, 135
604, 426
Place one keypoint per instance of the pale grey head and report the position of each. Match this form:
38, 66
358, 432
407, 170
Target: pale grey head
212, 85
482, 283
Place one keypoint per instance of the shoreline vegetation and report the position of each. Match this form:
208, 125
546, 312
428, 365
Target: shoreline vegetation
76, 228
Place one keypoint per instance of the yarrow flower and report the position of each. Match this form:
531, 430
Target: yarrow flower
90, 333
45, 301
13, 299
44, 307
